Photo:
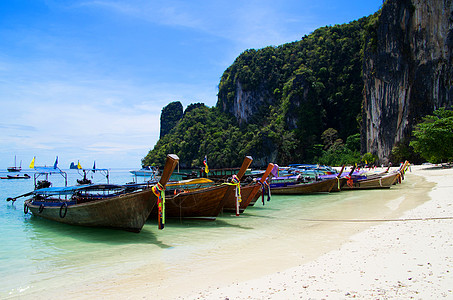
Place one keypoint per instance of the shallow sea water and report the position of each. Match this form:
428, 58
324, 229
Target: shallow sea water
38, 255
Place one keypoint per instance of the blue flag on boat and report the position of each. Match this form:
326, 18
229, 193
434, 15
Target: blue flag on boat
56, 163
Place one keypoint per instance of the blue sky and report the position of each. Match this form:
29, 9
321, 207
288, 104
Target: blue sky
86, 80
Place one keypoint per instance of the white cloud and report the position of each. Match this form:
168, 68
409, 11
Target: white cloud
249, 24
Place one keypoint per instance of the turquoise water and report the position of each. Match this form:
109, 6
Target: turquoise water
34, 250
37, 254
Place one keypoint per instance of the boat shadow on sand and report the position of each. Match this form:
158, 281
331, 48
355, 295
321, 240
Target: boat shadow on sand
47, 229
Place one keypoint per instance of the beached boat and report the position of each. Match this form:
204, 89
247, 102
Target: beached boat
321, 186
98, 205
311, 171
249, 193
204, 203
176, 187
382, 181
15, 168
313, 187
219, 175
341, 179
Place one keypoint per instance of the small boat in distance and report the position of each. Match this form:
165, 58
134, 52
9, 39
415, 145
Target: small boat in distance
17, 176
151, 172
15, 168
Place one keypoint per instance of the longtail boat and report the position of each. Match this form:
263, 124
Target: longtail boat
189, 184
384, 181
314, 187
321, 186
99, 205
249, 193
341, 180
204, 203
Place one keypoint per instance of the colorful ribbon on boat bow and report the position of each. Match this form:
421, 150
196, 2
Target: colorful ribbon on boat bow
264, 186
159, 191
350, 182
235, 181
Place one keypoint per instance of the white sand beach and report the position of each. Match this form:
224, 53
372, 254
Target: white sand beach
408, 258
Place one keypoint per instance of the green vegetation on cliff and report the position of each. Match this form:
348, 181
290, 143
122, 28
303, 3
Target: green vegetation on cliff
170, 116
296, 92
433, 138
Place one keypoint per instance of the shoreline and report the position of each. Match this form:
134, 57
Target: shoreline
354, 256
411, 257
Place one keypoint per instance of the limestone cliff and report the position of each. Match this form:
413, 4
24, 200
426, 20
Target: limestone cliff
170, 116
408, 72
246, 103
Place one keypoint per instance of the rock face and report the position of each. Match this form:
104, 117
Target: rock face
247, 103
408, 73
170, 116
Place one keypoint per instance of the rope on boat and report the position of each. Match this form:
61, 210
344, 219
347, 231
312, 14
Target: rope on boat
159, 191
263, 190
377, 220
236, 182
349, 181
268, 190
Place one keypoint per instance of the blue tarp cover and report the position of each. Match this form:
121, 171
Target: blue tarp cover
69, 190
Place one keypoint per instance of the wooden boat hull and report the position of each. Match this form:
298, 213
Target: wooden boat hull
248, 194
128, 211
338, 186
205, 203
255, 199
323, 186
383, 182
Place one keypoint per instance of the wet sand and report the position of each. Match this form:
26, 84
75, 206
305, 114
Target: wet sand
374, 244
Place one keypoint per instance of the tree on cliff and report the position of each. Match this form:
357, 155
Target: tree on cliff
274, 104
434, 137
170, 116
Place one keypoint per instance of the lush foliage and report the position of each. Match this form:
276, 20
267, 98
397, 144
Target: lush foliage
170, 116
302, 89
336, 153
433, 138
211, 132
403, 151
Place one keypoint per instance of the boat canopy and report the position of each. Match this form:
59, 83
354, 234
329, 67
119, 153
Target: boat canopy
48, 170
69, 190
